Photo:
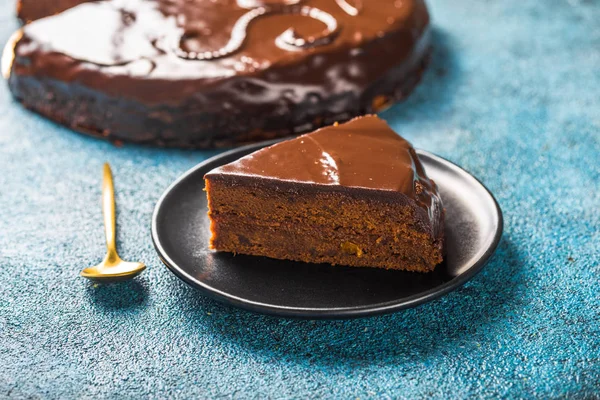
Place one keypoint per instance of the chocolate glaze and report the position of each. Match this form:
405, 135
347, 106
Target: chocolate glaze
363, 156
30, 10
201, 73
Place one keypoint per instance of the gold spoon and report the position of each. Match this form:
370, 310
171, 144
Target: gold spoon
112, 268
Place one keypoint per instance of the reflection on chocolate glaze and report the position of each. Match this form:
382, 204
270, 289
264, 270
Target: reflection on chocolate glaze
288, 40
350, 9
118, 40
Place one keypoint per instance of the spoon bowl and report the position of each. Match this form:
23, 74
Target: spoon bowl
112, 268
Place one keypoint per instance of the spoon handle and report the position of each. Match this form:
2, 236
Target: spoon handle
108, 209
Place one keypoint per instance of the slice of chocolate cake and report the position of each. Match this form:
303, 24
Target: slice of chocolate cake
352, 194
209, 73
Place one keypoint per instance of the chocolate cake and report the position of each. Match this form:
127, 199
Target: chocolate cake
203, 73
353, 194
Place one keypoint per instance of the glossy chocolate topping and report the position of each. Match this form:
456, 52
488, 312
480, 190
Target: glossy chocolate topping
203, 41
362, 153
30, 10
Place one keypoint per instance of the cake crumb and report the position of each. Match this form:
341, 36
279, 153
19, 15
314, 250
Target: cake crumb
352, 248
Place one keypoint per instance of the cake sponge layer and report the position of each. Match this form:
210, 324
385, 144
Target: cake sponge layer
324, 226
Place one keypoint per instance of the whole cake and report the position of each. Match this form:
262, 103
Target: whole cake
352, 194
206, 73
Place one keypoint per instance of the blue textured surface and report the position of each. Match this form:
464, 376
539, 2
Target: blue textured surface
513, 95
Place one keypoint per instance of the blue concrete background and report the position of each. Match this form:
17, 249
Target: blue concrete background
513, 95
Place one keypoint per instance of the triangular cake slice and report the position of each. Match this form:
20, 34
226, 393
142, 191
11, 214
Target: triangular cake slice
352, 194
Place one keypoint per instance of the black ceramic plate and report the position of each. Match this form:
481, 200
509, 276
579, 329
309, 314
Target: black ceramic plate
180, 230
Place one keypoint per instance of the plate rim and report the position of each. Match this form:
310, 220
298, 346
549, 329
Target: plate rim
322, 313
